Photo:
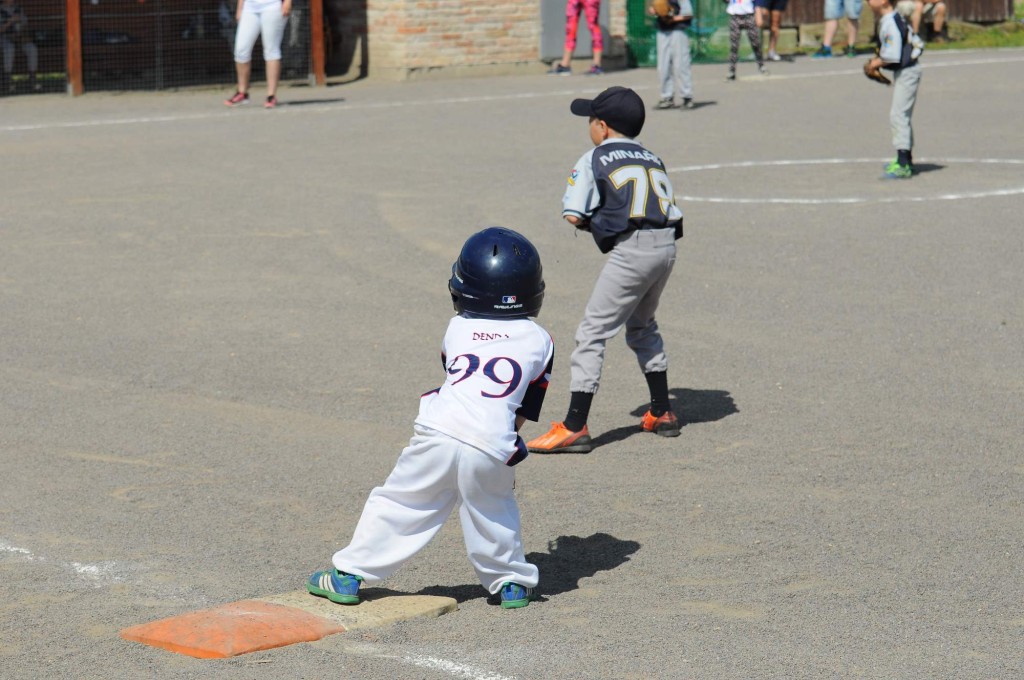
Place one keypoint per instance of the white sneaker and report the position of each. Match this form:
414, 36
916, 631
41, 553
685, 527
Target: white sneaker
773, 56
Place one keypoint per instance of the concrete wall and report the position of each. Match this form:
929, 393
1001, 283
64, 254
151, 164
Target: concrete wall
400, 39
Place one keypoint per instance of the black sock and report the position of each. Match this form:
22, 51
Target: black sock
903, 156
579, 410
657, 383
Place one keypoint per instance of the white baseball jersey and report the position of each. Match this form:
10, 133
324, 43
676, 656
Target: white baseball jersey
497, 369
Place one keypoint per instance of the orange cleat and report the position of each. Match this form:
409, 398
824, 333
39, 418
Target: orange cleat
561, 440
666, 425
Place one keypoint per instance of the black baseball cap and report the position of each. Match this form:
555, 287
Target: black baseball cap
620, 107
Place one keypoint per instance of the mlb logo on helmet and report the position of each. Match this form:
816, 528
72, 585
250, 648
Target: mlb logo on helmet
508, 299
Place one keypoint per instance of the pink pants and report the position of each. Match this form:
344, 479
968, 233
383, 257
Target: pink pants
572, 18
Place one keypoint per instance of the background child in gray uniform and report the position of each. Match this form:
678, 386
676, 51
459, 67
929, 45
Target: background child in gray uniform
898, 51
674, 55
620, 192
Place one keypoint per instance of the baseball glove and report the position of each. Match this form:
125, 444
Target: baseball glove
875, 73
661, 8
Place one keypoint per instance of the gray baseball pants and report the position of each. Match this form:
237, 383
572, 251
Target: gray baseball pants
904, 95
626, 294
674, 64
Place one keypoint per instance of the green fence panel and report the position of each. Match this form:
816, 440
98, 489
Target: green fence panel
640, 32
709, 34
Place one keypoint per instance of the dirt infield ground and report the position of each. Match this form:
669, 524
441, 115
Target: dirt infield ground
215, 325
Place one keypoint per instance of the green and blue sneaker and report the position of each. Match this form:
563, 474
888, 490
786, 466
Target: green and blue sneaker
336, 586
514, 595
896, 171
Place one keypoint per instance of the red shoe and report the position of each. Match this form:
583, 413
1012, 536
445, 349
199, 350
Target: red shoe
237, 99
562, 440
270, 103
666, 425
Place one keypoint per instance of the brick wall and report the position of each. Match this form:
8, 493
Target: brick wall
406, 38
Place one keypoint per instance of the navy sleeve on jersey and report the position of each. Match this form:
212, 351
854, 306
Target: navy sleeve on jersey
534, 397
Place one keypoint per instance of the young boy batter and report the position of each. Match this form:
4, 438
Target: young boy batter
619, 192
497, 363
898, 51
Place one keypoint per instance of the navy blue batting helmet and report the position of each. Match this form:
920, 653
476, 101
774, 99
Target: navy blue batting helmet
497, 276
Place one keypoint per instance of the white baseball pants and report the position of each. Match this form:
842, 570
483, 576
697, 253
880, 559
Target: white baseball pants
433, 475
627, 293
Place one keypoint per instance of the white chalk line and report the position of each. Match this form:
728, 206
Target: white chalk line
98, 574
453, 668
284, 108
963, 195
859, 71
458, 670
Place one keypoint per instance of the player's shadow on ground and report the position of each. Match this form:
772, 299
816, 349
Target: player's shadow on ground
568, 559
307, 102
921, 168
691, 406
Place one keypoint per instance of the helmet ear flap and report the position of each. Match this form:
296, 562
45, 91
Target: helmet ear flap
455, 289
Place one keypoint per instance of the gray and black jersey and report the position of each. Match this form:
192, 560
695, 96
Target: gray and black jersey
621, 187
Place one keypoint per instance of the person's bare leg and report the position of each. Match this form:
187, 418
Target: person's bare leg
773, 38
597, 57
915, 18
831, 26
273, 76
940, 18
243, 71
852, 25
566, 58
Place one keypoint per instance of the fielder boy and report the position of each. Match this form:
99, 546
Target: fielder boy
619, 192
898, 51
497, 363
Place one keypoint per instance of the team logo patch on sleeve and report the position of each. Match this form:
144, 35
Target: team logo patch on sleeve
572, 177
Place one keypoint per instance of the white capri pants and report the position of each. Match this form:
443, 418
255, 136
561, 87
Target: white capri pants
269, 23
434, 475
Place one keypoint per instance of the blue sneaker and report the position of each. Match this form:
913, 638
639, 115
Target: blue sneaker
823, 53
336, 586
514, 596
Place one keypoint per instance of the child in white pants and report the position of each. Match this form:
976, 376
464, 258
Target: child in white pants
497, 364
